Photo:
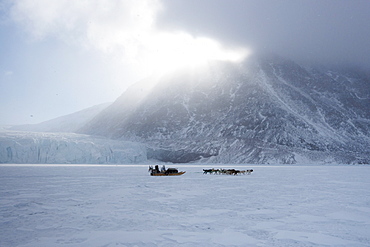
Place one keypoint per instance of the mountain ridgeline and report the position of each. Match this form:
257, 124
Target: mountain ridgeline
266, 110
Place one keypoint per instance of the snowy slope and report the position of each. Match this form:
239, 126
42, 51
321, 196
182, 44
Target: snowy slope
66, 148
95, 206
266, 110
68, 123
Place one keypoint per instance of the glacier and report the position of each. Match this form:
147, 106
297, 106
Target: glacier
20, 147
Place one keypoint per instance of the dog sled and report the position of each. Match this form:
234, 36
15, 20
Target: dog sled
164, 172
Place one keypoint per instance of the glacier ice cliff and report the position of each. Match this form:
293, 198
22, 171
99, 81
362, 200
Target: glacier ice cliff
66, 148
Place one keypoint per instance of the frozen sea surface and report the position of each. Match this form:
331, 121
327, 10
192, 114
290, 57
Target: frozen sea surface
124, 206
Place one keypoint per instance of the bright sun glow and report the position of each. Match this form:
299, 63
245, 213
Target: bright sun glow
166, 52
123, 29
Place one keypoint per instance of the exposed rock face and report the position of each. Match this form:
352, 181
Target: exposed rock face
265, 110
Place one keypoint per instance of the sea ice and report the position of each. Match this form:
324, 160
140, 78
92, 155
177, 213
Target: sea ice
118, 205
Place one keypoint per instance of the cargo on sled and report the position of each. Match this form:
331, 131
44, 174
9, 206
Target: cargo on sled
164, 172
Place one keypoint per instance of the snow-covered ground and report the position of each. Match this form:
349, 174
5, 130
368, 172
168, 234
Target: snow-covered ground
124, 206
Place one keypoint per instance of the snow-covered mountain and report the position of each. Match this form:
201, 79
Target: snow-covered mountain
66, 148
68, 123
265, 110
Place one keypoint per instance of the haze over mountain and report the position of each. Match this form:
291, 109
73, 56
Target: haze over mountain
265, 110
69, 123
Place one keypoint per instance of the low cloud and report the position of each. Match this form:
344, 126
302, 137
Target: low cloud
127, 28
102, 24
332, 32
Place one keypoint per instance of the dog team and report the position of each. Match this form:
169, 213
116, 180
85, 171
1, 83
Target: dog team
227, 172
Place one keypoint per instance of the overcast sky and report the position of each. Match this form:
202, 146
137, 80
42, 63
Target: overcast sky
61, 56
